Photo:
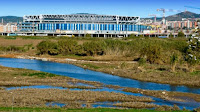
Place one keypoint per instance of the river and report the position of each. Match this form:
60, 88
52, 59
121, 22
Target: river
89, 75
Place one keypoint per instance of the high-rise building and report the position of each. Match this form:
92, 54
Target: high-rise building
9, 27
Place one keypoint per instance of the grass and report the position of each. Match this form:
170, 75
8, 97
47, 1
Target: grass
91, 66
196, 73
10, 38
12, 77
150, 72
40, 74
26, 109
23, 77
73, 99
165, 95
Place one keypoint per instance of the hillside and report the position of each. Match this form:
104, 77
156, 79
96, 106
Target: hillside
8, 19
179, 16
176, 17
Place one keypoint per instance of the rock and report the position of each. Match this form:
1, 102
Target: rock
44, 59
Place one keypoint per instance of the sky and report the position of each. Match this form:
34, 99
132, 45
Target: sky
140, 8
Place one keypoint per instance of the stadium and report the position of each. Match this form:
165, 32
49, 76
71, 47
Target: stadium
81, 25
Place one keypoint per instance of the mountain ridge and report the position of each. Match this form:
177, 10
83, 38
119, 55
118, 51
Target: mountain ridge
180, 16
176, 17
12, 19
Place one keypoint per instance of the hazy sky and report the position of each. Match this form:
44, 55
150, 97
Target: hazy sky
110, 7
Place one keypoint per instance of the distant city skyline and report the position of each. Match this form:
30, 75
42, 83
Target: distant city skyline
109, 7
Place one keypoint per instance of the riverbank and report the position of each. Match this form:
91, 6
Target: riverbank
128, 69
115, 57
15, 109
69, 99
13, 76
80, 97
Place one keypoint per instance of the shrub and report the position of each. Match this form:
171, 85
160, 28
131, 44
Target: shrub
115, 47
53, 52
193, 54
192, 62
173, 60
94, 48
142, 61
152, 52
14, 48
87, 35
123, 65
181, 34
66, 47
47, 47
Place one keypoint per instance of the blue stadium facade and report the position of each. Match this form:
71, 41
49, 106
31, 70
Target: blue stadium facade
82, 24
90, 27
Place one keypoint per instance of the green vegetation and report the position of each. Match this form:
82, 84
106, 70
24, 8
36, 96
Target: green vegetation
171, 35
193, 54
15, 48
87, 35
152, 53
67, 47
154, 50
142, 61
91, 66
181, 34
40, 74
47, 47
17, 109
195, 73
174, 60
149, 50
10, 37
94, 48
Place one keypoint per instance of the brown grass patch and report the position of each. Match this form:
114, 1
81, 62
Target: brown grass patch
39, 97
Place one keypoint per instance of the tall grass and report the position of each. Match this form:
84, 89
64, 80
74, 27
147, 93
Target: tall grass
15, 48
135, 47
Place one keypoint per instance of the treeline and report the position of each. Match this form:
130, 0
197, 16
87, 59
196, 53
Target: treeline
13, 48
153, 50
69, 47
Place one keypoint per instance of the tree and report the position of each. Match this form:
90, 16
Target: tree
181, 34
47, 47
192, 62
132, 36
193, 54
152, 53
87, 35
67, 47
94, 48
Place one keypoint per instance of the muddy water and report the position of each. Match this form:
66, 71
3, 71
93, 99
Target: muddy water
83, 74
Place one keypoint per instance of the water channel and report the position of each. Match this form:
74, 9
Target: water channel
107, 79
